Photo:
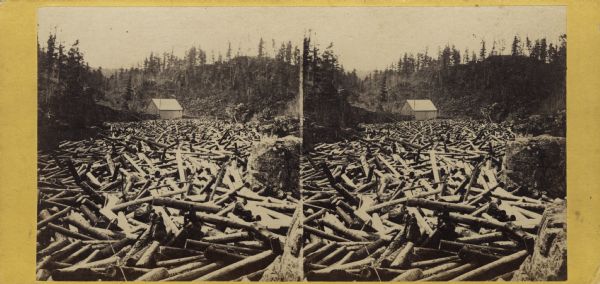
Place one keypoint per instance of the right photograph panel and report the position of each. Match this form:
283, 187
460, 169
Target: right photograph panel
434, 144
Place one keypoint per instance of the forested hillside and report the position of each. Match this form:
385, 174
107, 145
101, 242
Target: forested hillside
530, 79
67, 86
234, 85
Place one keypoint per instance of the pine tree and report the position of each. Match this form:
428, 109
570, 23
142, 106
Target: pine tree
535, 50
528, 45
515, 47
543, 50
128, 90
261, 48
552, 53
455, 56
228, 55
482, 52
288, 52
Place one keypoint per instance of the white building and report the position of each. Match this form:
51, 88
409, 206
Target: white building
165, 108
420, 109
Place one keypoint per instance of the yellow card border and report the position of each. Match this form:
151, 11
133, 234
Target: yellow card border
18, 116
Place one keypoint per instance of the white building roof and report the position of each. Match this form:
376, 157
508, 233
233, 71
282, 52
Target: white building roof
421, 105
167, 104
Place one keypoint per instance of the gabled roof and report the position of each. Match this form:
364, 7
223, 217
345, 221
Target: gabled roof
167, 104
421, 105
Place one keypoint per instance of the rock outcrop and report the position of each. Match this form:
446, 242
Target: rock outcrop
274, 164
549, 259
538, 165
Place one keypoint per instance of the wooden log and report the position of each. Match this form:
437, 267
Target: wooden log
155, 274
379, 274
179, 261
333, 257
94, 264
433, 262
68, 232
345, 266
440, 206
74, 257
449, 274
186, 205
249, 264
319, 253
224, 221
323, 234
457, 246
216, 254
227, 238
354, 235
175, 252
147, 259
508, 262
55, 246
485, 238
343, 192
54, 217
470, 254
382, 205
81, 224
194, 273
440, 268
313, 246
200, 245
314, 216
410, 275
402, 257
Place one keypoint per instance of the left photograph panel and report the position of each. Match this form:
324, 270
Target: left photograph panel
169, 142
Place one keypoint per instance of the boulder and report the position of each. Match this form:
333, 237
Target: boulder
274, 164
549, 259
537, 164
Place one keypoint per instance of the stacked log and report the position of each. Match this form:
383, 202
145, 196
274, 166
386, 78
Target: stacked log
415, 201
177, 200
158, 200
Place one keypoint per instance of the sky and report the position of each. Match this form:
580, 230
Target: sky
363, 38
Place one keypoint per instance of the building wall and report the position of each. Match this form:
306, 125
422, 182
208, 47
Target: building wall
151, 109
406, 110
425, 115
171, 114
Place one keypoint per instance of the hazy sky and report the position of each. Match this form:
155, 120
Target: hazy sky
364, 38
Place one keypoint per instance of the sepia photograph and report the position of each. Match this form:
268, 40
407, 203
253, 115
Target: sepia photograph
294, 144
434, 144
168, 144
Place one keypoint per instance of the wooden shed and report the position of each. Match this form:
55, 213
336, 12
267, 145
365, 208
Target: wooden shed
165, 108
420, 109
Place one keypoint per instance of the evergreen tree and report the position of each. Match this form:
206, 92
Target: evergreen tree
383, 94
288, 52
228, 54
455, 56
515, 47
482, 52
543, 50
261, 48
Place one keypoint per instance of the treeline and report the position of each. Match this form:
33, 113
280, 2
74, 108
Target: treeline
67, 86
234, 85
325, 102
493, 82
